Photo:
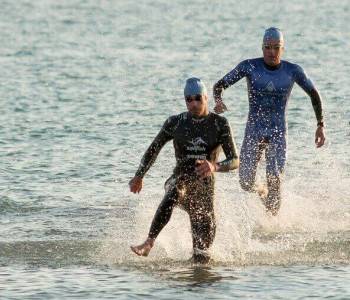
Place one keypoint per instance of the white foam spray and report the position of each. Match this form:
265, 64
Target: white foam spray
313, 224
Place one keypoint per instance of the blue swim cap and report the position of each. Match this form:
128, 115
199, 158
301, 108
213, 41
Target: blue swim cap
273, 33
194, 86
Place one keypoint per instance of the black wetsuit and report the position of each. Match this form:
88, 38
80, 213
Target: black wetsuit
194, 139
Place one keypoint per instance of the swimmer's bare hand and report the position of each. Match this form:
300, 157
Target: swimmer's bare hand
220, 107
204, 168
319, 137
136, 184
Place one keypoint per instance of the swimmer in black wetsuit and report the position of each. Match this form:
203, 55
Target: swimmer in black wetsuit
197, 136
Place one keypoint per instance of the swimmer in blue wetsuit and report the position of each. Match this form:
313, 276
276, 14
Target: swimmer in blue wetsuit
270, 81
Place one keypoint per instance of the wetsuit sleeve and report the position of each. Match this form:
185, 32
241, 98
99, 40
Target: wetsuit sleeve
240, 71
303, 80
229, 147
307, 85
164, 135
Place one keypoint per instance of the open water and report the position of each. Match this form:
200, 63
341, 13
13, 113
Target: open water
86, 85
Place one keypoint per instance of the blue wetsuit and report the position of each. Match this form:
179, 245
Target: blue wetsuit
266, 128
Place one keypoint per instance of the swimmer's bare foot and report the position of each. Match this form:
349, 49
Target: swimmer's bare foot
143, 249
262, 192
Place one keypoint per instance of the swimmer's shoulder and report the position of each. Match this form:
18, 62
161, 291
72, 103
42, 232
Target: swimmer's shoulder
292, 67
174, 121
179, 117
220, 120
254, 61
251, 64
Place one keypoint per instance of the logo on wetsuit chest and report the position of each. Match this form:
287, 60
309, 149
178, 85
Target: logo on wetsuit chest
270, 87
197, 144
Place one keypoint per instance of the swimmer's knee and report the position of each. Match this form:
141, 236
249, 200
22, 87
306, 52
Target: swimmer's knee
273, 182
247, 185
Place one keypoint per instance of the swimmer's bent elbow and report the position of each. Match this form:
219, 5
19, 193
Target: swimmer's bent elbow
228, 165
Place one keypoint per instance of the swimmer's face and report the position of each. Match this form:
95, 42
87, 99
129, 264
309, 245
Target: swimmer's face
272, 50
197, 105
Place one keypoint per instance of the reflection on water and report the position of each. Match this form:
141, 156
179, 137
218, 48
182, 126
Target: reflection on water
196, 275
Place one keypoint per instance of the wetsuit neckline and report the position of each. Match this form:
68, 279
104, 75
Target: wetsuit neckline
274, 68
199, 119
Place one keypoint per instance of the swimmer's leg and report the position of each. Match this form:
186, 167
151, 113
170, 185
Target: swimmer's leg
275, 162
250, 156
203, 234
273, 199
202, 218
161, 217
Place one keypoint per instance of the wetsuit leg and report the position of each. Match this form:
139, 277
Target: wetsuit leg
275, 162
173, 194
200, 199
250, 155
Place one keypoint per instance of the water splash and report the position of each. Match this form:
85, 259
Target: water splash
313, 226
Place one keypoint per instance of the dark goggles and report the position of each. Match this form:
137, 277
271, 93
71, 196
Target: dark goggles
197, 98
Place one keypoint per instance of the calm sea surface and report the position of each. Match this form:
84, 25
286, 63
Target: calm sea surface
84, 88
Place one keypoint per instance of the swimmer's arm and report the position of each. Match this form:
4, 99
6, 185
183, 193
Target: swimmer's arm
218, 89
228, 145
152, 152
165, 135
317, 105
227, 165
136, 183
316, 101
308, 86
205, 168
229, 79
